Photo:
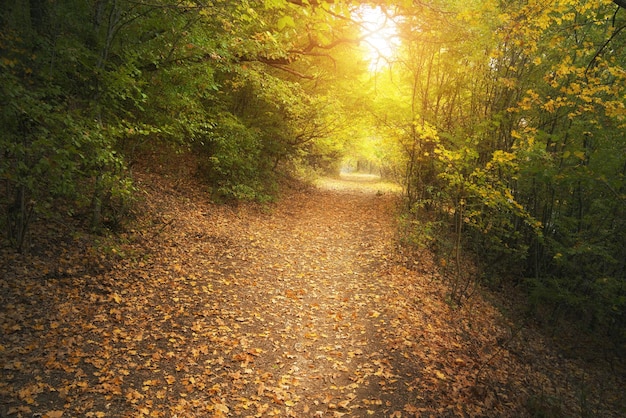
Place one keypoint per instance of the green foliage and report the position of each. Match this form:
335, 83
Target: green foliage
420, 232
509, 119
231, 161
88, 84
568, 147
62, 98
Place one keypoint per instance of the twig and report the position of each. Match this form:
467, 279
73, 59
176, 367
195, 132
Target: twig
168, 223
499, 350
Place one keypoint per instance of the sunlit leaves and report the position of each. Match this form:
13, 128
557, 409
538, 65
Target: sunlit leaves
535, 90
285, 21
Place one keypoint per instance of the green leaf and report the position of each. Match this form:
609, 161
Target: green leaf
274, 4
285, 21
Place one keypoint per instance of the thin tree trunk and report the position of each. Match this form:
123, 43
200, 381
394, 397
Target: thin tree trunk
96, 203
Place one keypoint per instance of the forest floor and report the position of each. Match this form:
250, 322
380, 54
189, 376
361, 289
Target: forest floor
302, 308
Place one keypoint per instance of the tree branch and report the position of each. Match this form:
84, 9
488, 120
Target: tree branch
292, 71
599, 51
307, 3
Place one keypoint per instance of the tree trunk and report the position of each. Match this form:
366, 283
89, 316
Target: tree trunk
18, 217
96, 204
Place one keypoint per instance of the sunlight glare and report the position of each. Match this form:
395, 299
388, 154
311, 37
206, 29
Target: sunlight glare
380, 36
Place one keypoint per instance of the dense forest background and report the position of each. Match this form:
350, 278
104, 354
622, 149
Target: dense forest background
503, 120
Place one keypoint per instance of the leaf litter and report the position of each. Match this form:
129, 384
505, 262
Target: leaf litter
304, 308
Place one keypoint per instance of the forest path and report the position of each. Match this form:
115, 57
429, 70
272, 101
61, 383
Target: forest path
316, 306
297, 304
303, 308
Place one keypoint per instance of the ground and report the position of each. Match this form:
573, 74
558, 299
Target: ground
301, 308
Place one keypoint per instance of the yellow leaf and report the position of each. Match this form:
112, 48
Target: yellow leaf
23, 408
410, 408
53, 414
8, 62
440, 375
221, 407
344, 404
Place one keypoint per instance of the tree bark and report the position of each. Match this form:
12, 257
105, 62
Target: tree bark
620, 3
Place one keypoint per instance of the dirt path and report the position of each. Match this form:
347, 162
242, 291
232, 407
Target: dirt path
303, 309
309, 301
296, 304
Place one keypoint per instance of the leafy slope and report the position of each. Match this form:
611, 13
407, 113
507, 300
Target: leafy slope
305, 309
